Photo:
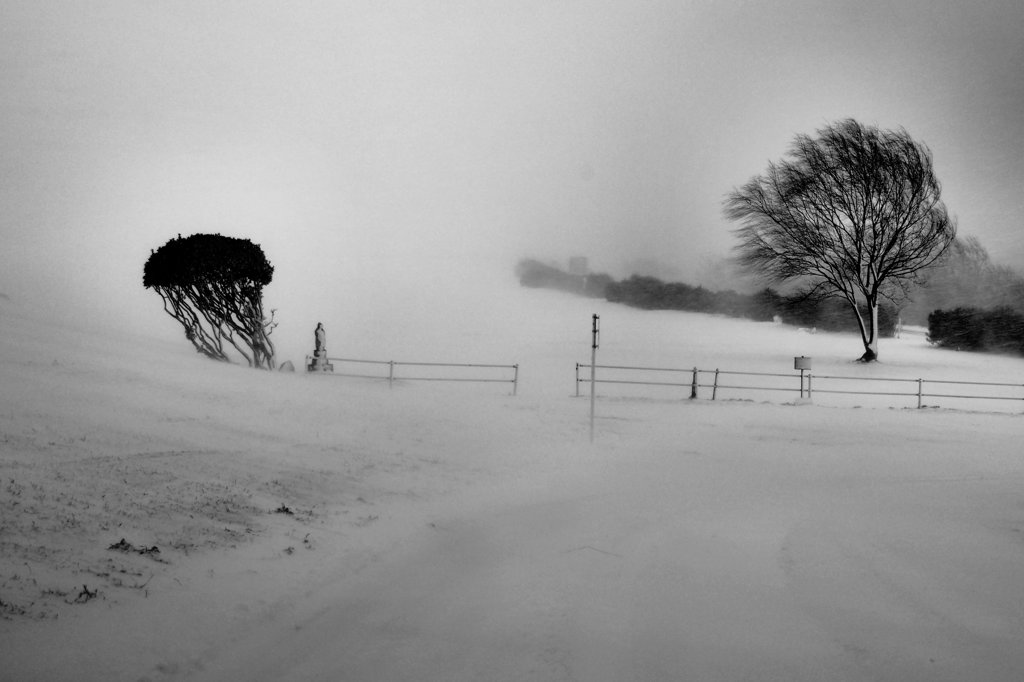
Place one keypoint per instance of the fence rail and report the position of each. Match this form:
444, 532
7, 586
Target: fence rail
806, 384
436, 371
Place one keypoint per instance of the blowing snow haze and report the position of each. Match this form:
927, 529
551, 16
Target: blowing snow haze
388, 152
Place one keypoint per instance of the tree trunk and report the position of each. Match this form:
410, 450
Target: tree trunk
871, 337
868, 331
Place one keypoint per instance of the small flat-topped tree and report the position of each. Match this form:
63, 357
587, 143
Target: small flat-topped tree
213, 285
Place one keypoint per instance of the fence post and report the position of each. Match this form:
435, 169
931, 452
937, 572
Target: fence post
515, 378
391, 373
577, 380
920, 391
693, 385
714, 391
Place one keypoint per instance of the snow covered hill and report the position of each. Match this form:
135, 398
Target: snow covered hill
167, 517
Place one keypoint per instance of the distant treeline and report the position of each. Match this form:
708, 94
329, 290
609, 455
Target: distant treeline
985, 302
650, 293
999, 330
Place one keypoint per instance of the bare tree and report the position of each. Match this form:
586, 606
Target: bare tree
213, 285
854, 213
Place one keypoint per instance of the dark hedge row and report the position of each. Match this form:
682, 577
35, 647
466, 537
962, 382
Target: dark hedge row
999, 330
826, 314
651, 293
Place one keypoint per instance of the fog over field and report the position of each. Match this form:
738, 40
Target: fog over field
375, 150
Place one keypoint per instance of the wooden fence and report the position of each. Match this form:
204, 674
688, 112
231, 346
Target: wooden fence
392, 371
699, 383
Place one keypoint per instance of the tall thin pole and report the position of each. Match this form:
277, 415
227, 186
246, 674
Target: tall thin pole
593, 365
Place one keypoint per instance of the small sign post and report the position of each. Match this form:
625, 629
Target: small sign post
803, 363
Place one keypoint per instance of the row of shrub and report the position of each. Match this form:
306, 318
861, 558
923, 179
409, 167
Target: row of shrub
826, 314
999, 330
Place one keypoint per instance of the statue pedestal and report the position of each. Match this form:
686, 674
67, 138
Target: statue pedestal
320, 363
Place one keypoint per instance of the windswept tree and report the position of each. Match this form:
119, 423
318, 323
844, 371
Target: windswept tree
854, 213
213, 285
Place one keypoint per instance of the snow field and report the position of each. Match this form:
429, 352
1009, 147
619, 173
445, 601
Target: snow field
451, 531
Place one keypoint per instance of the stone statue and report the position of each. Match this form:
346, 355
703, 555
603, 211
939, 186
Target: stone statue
321, 339
320, 363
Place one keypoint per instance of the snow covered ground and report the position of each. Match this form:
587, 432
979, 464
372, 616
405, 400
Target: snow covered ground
292, 527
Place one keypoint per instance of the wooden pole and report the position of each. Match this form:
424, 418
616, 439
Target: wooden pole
593, 367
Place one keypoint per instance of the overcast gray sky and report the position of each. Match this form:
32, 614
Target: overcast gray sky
357, 140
